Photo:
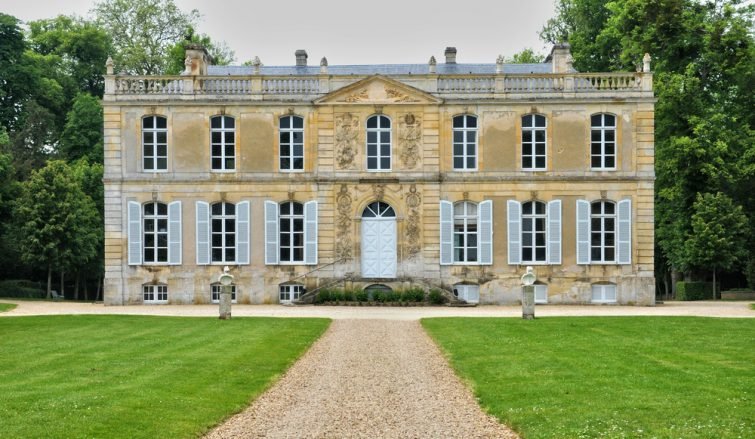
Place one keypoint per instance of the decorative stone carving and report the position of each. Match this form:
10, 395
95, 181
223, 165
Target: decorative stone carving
357, 96
398, 96
378, 191
343, 223
347, 133
410, 140
412, 239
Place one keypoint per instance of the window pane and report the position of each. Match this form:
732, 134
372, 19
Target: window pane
149, 137
609, 252
458, 149
372, 122
298, 164
610, 135
162, 164
539, 121
540, 136
285, 122
215, 122
458, 121
371, 149
298, 122
385, 163
595, 120
526, 136
216, 163
371, 163
458, 136
385, 150
595, 254
285, 163
540, 254
229, 137
384, 122
230, 122
595, 162
470, 162
149, 254
161, 122
610, 120
285, 137
230, 254
217, 255
471, 135
610, 162
471, 122
162, 255
527, 120
162, 150
230, 150
230, 163
527, 253
527, 162
298, 150
217, 209
458, 162
540, 162
148, 122
609, 208
298, 137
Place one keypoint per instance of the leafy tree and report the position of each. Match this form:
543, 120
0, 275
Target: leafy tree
81, 46
82, 135
143, 31
16, 81
719, 227
526, 56
35, 141
57, 222
221, 54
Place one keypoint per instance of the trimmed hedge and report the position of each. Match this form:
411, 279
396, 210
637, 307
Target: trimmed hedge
694, 290
411, 295
22, 289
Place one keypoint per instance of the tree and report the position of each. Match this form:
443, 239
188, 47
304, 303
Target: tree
82, 135
719, 227
16, 80
81, 46
143, 31
526, 56
221, 54
57, 222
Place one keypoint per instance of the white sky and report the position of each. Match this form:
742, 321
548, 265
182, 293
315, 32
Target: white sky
350, 31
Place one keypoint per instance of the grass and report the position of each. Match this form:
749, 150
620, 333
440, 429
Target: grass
137, 376
7, 306
608, 377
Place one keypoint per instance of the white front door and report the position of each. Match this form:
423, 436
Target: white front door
379, 242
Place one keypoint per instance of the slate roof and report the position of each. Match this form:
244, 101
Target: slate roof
382, 69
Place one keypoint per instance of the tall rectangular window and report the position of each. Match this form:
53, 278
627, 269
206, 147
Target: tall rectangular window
603, 141
291, 142
223, 224
603, 231
155, 232
533, 142
465, 232
155, 143
291, 232
223, 143
465, 143
378, 143
533, 232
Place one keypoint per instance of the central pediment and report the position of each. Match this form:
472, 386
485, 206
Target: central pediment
379, 90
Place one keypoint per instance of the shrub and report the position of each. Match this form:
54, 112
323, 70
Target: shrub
361, 296
392, 296
436, 297
694, 290
323, 296
22, 289
378, 296
348, 296
413, 294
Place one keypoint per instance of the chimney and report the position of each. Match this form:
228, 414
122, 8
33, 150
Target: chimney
560, 58
196, 59
301, 58
450, 55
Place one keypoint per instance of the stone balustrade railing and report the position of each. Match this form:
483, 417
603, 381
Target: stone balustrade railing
484, 86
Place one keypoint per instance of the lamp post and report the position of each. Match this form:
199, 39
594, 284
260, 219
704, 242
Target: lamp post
528, 294
225, 280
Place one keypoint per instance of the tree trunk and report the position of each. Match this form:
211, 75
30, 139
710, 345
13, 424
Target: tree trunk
99, 284
49, 281
76, 286
714, 284
62, 283
86, 290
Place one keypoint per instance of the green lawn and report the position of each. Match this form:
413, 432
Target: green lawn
7, 306
137, 376
609, 377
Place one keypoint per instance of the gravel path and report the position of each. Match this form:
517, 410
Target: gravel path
369, 379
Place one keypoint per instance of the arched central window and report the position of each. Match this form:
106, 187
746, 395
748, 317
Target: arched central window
378, 143
291, 232
378, 209
465, 142
291, 142
155, 232
533, 232
223, 143
223, 224
603, 231
465, 232
533, 142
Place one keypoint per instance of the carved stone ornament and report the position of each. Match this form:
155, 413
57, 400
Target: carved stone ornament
361, 95
410, 140
378, 191
399, 96
343, 223
412, 239
346, 136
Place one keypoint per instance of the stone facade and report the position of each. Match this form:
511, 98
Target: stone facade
420, 102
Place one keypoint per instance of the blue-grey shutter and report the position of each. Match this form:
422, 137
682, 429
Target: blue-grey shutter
271, 233
203, 233
514, 209
446, 232
242, 233
174, 233
485, 226
134, 233
553, 232
310, 233
624, 253
583, 232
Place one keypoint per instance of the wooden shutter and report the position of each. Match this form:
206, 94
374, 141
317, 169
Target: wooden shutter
553, 232
446, 232
242, 233
310, 233
174, 233
271, 233
203, 233
514, 209
624, 250
134, 233
583, 232
485, 227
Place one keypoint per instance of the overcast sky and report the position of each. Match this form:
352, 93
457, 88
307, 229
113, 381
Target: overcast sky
350, 31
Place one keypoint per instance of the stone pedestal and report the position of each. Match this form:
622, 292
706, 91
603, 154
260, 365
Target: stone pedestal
225, 302
528, 302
